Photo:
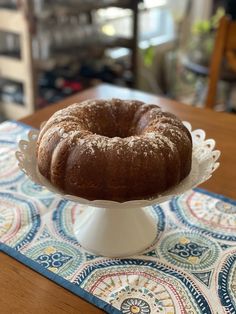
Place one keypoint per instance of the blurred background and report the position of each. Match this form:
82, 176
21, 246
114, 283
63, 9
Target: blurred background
52, 49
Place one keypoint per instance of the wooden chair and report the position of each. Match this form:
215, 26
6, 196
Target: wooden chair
224, 49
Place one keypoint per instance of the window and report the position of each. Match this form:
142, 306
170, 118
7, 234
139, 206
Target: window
155, 21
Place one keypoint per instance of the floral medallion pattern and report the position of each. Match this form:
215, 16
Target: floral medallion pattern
19, 219
134, 306
189, 250
122, 282
227, 282
9, 170
211, 216
57, 256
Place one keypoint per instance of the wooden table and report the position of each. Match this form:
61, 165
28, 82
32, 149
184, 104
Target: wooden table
23, 290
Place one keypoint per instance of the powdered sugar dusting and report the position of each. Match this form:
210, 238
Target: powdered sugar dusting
79, 129
151, 135
176, 132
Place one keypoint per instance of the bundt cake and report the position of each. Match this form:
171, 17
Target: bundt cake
115, 149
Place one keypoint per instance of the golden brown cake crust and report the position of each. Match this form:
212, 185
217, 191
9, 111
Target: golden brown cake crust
114, 149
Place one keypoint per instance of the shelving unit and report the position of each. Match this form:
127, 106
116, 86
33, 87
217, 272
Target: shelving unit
82, 7
19, 70
61, 58
24, 21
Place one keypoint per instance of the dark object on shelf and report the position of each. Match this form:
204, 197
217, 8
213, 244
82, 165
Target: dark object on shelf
54, 8
229, 5
108, 71
202, 72
226, 74
10, 44
8, 4
231, 8
11, 54
61, 82
11, 92
56, 85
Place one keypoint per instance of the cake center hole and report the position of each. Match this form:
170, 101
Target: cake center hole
112, 129
113, 133
111, 123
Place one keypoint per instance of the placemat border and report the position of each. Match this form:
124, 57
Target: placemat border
58, 279
216, 195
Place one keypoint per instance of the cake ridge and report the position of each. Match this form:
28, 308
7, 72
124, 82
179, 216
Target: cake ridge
114, 149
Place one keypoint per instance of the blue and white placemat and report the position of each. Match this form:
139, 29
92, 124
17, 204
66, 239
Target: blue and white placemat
191, 270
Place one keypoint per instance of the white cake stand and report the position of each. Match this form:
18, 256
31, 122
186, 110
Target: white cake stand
116, 229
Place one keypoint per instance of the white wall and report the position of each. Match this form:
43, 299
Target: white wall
201, 9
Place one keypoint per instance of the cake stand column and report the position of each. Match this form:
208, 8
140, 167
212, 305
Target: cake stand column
115, 232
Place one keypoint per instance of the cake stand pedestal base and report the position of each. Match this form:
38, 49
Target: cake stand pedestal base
114, 232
